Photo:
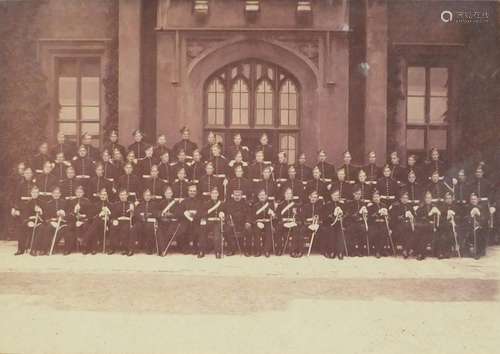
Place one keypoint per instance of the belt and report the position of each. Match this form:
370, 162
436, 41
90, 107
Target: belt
123, 218
481, 199
205, 193
39, 171
325, 179
151, 220
350, 182
389, 197
195, 181
437, 200
371, 182
146, 176
110, 179
263, 220
45, 193
416, 201
213, 219
131, 193
168, 219
281, 180
25, 198
71, 197
256, 179
82, 176
270, 198
287, 219
267, 162
295, 197
221, 175
156, 197
95, 194
179, 199
304, 183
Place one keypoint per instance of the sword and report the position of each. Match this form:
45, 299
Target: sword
367, 237
389, 235
234, 232
314, 222
171, 239
59, 219
155, 232
453, 228
33, 232
343, 236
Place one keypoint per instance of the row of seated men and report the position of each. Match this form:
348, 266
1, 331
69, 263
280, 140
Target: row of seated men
196, 224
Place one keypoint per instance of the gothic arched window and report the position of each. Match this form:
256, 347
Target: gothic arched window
251, 97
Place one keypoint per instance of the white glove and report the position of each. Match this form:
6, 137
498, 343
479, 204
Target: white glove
260, 225
270, 213
363, 210
475, 212
106, 210
434, 210
290, 224
188, 215
115, 222
450, 214
313, 227
415, 207
492, 210
231, 163
338, 212
61, 213
329, 186
77, 208
454, 181
221, 215
225, 182
38, 210
408, 214
383, 212
14, 212
79, 223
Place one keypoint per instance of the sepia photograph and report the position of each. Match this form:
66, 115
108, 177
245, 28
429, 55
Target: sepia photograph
250, 176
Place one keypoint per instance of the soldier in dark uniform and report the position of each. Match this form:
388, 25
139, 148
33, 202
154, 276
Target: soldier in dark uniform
221, 167
97, 183
166, 169
92, 152
351, 172
316, 184
476, 216
145, 226
98, 224
232, 150
263, 233
197, 167
60, 165
256, 168
154, 184
365, 187
181, 185
239, 225
411, 166
288, 229
160, 148
280, 170
121, 237
437, 188
192, 209
238, 162
144, 164
312, 216
397, 171
118, 161
402, 220
294, 184
387, 186
130, 182
185, 144
139, 146
334, 241
344, 187
209, 181
481, 186
435, 164
40, 158
34, 229
69, 184
67, 148
428, 218
373, 172
267, 184
448, 229
23, 190
132, 159
169, 221
46, 181
304, 172
241, 184
378, 214
79, 212
84, 166
182, 162
212, 224
206, 151
267, 149
56, 218
460, 188
357, 225
327, 170
112, 144
414, 189
111, 173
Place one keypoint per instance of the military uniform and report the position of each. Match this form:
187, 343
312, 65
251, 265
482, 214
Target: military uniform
45, 183
166, 172
64, 232
373, 173
191, 211
78, 220
144, 229
327, 170
241, 184
388, 188
238, 227
34, 228
377, 227
403, 225
263, 232
187, 145
289, 216
95, 230
132, 184
169, 228
139, 149
333, 241
155, 185
212, 225
95, 185
121, 237
357, 227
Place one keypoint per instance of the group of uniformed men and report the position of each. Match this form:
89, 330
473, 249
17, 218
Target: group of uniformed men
195, 200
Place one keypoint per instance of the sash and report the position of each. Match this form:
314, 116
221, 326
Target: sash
167, 208
214, 207
287, 207
262, 208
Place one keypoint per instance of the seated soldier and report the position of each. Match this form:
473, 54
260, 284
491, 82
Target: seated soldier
334, 240
212, 225
34, 229
402, 219
99, 224
288, 235
311, 218
57, 222
170, 221
428, 221
145, 226
262, 214
357, 225
80, 209
239, 228
121, 237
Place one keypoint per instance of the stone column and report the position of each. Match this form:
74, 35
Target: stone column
129, 76
376, 81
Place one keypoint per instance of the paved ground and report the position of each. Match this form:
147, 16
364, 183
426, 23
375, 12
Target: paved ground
179, 304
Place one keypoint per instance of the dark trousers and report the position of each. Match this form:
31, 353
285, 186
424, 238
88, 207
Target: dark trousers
238, 237
477, 243
27, 235
94, 234
262, 239
121, 237
64, 233
444, 239
357, 238
333, 239
404, 235
169, 231
425, 235
189, 234
211, 235
377, 231
144, 232
292, 238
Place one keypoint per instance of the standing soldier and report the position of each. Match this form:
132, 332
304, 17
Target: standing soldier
46, 181
79, 209
34, 231
40, 158
481, 186
112, 144
374, 173
357, 225
165, 168
364, 186
181, 185
144, 164
185, 144
212, 224
344, 187
219, 162
60, 165
56, 216
130, 182
139, 146
170, 224
97, 183
262, 215
100, 214
91, 152
121, 237
280, 170
460, 188
414, 189
206, 151
197, 167
288, 216
154, 184
411, 166
160, 148
83, 166
209, 181
476, 222
435, 164
145, 227
428, 221
238, 162
191, 207
23, 192
240, 183
267, 184
110, 172
266, 148
351, 172
69, 184
67, 148
397, 171
334, 241
327, 170
257, 167
316, 184
239, 222
437, 188
378, 230
304, 172
387, 186
294, 184
236, 148
402, 216
182, 162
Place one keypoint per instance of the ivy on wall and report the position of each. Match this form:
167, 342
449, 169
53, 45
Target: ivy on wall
110, 79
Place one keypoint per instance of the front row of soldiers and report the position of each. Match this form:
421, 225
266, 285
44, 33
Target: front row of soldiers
333, 226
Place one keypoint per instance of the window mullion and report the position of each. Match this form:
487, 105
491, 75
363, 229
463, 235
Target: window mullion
251, 94
79, 101
276, 118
